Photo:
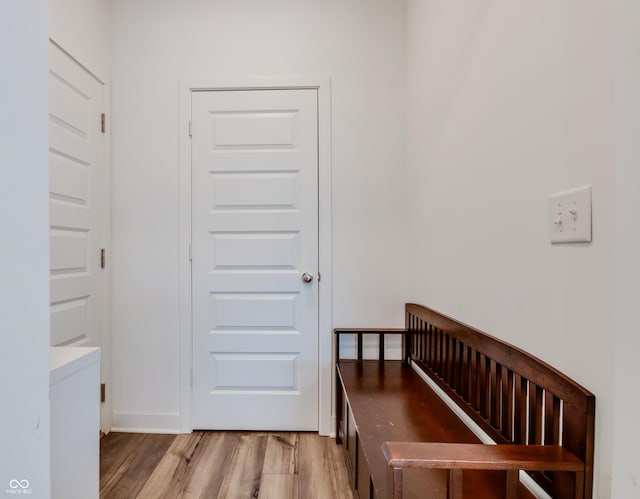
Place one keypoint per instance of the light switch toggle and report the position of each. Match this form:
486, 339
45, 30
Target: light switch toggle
570, 216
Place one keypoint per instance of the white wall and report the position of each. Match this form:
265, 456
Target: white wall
81, 27
24, 247
509, 102
360, 45
626, 463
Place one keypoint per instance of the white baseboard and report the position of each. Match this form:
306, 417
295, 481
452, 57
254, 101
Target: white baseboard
146, 422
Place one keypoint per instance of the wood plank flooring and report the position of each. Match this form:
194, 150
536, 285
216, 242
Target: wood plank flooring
222, 465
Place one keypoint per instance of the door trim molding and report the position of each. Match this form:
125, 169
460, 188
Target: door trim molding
325, 323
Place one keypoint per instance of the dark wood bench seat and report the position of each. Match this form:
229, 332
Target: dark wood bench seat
402, 440
392, 403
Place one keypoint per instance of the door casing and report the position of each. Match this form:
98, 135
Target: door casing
325, 346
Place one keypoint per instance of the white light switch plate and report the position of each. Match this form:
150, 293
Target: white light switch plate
570, 216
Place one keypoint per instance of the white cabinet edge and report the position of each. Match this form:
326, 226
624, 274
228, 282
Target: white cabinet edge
67, 360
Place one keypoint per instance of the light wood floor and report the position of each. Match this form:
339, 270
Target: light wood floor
222, 465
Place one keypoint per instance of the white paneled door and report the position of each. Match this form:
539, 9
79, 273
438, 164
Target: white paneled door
76, 152
255, 259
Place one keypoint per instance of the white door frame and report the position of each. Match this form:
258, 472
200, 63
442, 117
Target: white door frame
325, 339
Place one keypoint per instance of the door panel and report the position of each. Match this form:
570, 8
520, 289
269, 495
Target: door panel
76, 150
254, 232
255, 250
270, 190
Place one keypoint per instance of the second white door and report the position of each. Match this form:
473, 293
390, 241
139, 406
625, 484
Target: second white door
255, 259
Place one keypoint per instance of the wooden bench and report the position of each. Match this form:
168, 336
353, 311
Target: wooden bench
402, 440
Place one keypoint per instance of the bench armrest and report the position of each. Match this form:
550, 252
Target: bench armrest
458, 457
480, 456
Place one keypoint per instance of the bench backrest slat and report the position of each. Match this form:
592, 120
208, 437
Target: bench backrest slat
513, 396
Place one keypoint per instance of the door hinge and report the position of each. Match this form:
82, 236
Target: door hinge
191, 376
190, 254
103, 258
103, 392
190, 129
103, 123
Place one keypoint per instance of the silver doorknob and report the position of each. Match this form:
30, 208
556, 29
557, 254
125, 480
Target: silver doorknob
306, 277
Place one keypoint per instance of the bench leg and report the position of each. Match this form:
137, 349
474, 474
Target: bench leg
455, 484
394, 483
339, 408
579, 485
513, 477
568, 485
